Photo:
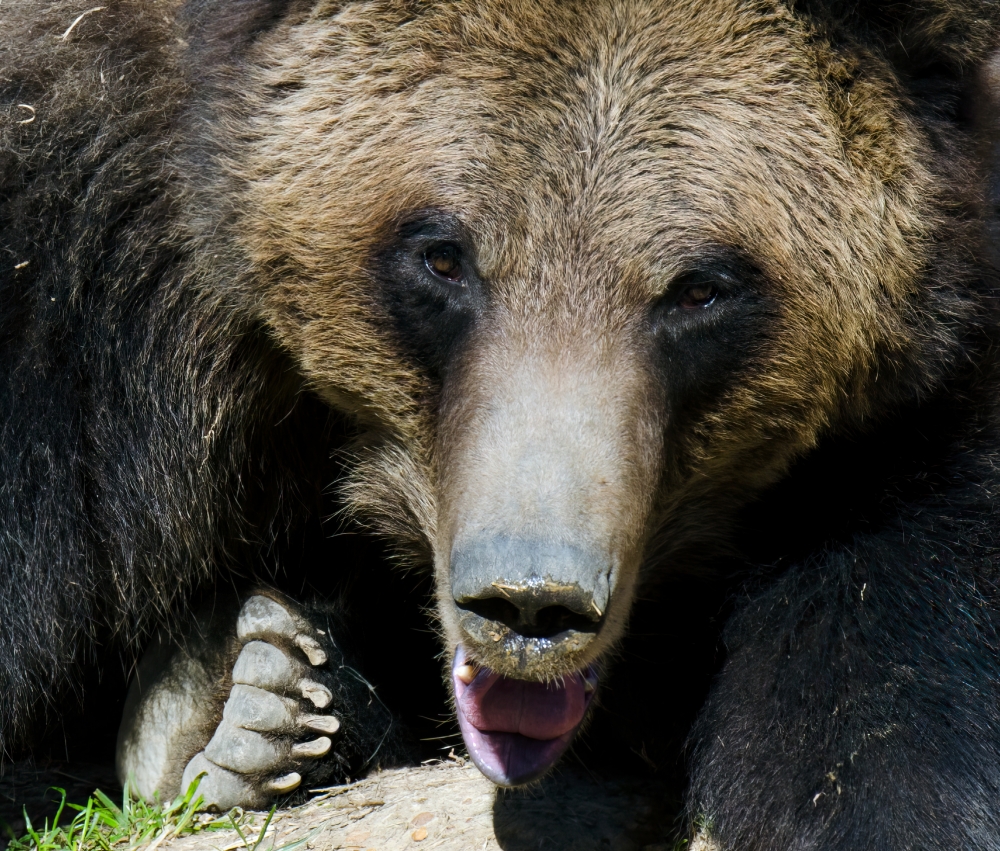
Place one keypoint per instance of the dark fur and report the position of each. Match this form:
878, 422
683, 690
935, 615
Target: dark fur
159, 425
124, 458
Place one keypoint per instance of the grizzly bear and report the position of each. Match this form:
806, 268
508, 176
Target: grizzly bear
662, 333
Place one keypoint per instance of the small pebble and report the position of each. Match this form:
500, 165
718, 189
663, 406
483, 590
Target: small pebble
419, 835
421, 819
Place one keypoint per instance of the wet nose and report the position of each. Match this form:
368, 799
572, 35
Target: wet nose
536, 589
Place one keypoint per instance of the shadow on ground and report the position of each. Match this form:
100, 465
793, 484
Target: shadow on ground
30, 786
573, 812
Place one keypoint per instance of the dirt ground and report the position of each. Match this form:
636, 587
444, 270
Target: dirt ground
450, 806
446, 805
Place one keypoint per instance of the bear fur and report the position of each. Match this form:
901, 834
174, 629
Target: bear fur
691, 304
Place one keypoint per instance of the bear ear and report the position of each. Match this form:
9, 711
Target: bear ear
920, 38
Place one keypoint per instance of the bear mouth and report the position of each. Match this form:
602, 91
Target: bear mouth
516, 730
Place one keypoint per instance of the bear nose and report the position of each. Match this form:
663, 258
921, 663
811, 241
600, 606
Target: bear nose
535, 589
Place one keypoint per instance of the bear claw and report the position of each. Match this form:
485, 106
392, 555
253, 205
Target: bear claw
319, 694
310, 646
315, 748
321, 723
286, 783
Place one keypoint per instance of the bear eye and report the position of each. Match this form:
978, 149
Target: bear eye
445, 262
694, 296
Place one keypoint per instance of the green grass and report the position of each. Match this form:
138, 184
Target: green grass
102, 825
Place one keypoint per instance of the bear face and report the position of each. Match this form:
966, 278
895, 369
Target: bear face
592, 278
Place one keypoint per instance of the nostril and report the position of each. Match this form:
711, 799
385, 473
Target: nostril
536, 589
546, 622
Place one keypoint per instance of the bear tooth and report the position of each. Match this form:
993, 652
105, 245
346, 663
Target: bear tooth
322, 723
588, 686
466, 673
310, 646
316, 692
317, 747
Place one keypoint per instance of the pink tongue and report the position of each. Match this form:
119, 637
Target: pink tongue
537, 710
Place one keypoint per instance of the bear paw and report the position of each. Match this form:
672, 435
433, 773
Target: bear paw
271, 719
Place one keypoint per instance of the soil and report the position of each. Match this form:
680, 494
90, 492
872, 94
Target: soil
446, 805
450, 806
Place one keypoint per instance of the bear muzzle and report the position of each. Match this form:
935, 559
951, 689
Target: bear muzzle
529, 613
548, 463
530, 608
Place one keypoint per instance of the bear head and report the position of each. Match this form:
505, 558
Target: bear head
590, 277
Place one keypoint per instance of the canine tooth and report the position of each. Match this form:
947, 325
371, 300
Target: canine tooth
322, 723
466, 673
310, 646
316, 692
588, 686
285, 783
317, 747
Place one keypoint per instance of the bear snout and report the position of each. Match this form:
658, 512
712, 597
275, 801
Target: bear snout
537, 605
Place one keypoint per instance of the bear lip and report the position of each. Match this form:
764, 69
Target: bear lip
519, 653
515, 730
